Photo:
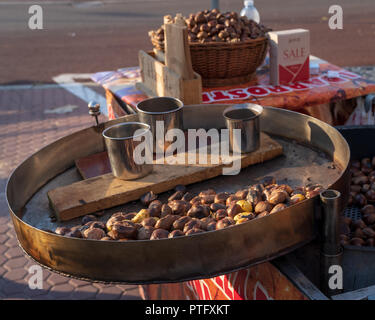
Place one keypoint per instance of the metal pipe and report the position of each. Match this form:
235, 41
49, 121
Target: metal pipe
331, 250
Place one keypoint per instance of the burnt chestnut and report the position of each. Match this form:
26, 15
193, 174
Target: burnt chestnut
180, 222
193, 223
165, 210
277, 197
358, 224
242, 194
362, 179
224, 223
145, 233
75, 233
231, 199
187, 196
369, 218
149, 222
123, 229
206, 221
266, 181
129, 216
159, 234
180, 188
220, 214
221, 197
88, 218
176, 196
193, 231
254, 197
368, 232
355, 188
263, 206
166, 222
358, 233
262, 214
208, 199
211, 226
207, 192
233, 210
360, 199
175, 234
278, 207
217, 206
178, 207
368, 209
147, 198
370, 196
94, 233
195, 200
198, 211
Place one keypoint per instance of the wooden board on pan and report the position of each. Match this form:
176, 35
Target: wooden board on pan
105, 191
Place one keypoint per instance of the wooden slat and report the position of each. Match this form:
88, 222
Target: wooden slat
105, 191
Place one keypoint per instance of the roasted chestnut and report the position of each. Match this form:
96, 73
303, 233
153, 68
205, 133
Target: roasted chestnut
147, 198
159, 234
175, 234
145, 233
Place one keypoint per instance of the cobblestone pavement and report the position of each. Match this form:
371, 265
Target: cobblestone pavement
29, 120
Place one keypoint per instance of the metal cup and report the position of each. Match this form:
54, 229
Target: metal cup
246, 118
166, 110
120, 142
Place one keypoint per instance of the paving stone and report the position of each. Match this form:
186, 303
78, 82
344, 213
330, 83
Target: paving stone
15, 263
84, 293
3, 228
79, 283
109, 292
56, 279
60, 291
12, 242
14, 253
16, 274
3, 238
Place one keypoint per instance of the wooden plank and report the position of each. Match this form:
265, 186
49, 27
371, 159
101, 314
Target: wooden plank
105, 191
159, 80
177, 51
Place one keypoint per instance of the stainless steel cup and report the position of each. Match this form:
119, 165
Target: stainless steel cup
121, 144
246, 118
167, 112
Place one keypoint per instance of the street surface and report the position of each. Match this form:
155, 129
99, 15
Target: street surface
91, 36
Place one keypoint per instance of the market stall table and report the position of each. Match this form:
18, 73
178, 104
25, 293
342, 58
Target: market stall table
330, 95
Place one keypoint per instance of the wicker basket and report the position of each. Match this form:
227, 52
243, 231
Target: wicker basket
221, 64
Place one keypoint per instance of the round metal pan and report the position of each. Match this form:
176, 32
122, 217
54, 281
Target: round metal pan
310, 148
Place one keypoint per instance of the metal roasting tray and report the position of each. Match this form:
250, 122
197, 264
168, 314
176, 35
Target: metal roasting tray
314, 152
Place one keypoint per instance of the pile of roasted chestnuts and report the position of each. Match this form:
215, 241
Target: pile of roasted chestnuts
361, 232
185, 213
213, 26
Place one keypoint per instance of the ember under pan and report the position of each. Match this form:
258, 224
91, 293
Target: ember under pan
314, 152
